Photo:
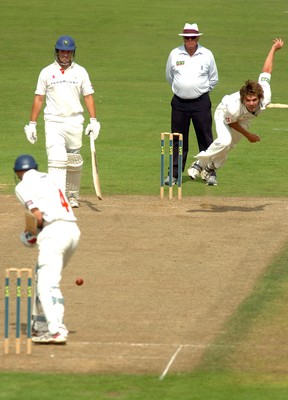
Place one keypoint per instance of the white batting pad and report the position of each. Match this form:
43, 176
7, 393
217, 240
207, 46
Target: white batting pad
74, 171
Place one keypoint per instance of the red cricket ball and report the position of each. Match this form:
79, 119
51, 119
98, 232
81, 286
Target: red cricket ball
79, 281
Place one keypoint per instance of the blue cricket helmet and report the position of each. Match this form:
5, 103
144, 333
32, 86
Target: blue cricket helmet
65, 43
24, 163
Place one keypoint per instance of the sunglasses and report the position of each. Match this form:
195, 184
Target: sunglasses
190, 37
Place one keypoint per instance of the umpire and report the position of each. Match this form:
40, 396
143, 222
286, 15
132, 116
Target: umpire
192, 73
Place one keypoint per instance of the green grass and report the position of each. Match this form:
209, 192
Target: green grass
258, 330
196, 386
124, 46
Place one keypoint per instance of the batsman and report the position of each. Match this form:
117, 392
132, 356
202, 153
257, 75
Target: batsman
63, 83
56, 235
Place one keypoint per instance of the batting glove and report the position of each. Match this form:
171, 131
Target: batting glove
93, 128
31, 132
28, 239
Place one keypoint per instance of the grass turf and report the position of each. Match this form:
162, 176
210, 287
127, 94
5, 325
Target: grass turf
124, 46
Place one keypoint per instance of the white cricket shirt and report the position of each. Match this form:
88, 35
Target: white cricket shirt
63, 90
38, 190
190, 77
234, 111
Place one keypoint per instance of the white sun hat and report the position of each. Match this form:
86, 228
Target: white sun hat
190, 30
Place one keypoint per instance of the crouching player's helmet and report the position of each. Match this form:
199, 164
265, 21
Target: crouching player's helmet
24, 163
65, 43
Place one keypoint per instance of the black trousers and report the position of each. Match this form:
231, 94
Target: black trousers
183, 112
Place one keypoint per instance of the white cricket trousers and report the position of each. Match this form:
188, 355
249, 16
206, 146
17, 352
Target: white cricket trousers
226, 140
56, 243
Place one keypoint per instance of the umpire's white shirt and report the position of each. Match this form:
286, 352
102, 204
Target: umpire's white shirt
63, 90
190, 77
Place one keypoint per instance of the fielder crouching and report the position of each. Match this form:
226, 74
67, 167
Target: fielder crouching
57, 238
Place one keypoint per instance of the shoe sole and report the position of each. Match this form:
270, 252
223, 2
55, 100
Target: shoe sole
49, 341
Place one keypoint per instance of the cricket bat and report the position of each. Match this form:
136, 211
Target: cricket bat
95, 174
30, 222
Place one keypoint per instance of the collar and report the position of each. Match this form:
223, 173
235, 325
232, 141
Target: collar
61, 69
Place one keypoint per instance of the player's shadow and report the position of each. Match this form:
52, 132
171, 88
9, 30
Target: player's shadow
221, 209
90, 205
23, 328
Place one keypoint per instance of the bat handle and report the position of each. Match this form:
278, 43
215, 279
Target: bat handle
92, 143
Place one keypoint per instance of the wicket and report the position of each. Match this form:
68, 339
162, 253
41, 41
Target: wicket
162, 165
18, 273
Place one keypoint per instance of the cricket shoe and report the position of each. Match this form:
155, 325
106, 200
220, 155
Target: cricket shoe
48, 338
38, 333
63, 330
73, 202
41, 332
77, 196
174, 181
195, 170
209, 175
212, 180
